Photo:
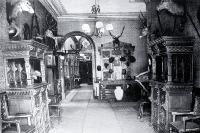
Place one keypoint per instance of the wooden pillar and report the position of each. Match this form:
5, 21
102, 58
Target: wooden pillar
28, 70
42, 67
169, 67
61, 76
154, 67
3, 23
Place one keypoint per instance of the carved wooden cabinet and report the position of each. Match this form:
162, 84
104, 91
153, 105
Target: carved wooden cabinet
23, 78
172, 79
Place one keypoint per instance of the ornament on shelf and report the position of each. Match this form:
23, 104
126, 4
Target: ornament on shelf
123, 71
98, 68
111, 59
106, 65
122, 58
132, 59
111, 71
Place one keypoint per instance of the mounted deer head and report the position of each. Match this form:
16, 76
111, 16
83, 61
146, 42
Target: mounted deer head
145, 28
116, 38
77, 43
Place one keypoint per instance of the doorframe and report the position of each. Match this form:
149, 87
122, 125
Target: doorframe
90, 40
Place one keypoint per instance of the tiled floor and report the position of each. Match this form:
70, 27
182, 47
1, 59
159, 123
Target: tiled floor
80, 113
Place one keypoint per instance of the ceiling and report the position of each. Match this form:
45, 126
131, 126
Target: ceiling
66, 8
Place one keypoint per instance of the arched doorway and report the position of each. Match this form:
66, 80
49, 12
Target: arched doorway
75, 44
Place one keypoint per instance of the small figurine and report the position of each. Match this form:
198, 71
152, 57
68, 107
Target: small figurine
18, 75
11, 76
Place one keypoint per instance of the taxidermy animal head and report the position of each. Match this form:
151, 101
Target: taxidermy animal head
19, 7
13, 30
171, 6
145, 28
116, 42
14, 8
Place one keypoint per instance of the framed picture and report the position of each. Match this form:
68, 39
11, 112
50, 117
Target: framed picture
50, 60
106, 75
106, 54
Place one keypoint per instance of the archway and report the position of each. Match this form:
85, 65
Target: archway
91, 42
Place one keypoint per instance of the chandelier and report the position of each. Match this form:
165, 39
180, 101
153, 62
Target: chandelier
99, 27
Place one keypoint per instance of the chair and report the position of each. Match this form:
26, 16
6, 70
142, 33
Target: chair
190, 122
13, 123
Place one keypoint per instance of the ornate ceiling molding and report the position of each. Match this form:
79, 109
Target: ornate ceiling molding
55, 7
102, 16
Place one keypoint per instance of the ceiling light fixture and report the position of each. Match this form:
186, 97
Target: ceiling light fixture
99, 28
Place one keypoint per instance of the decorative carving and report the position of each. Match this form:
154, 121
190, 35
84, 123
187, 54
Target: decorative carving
179, 49
162, 96
173, 60
11, 75
162, 119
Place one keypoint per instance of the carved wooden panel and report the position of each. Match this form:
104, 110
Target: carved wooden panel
154, 116
162, 96
162, 120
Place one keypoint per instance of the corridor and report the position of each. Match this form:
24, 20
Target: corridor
80, 113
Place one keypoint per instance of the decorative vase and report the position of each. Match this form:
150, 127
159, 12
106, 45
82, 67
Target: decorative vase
118, 93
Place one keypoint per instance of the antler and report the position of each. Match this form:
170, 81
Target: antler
116, 37
143, 20
111, 35
121, 32
77, 43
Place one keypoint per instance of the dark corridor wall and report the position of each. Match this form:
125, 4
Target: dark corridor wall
85, 70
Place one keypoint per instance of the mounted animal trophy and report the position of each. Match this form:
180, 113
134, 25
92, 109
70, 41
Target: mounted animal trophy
116, 42
171, 17
78, 45
172, 7
14, 9
144, 26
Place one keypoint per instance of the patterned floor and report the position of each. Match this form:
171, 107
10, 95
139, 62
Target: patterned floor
83, 114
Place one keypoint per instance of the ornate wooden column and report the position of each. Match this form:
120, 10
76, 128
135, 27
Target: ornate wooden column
154, 67
3, 23
61, 77
169, 67
3, 38
28, 70
42, 67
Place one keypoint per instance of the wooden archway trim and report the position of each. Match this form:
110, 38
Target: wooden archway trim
90, 40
